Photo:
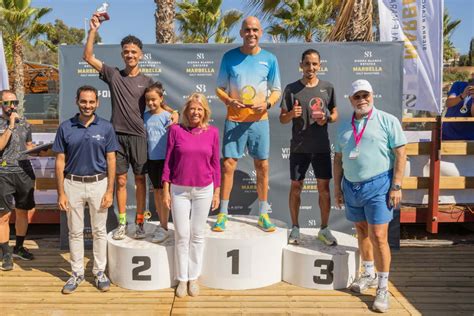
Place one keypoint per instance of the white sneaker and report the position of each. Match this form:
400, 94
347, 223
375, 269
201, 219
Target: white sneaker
382, 301
120, 232
139, 232
326, 237
160, 235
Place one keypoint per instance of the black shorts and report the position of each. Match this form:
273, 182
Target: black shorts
299, 164
19, 186
155, 172
133, 151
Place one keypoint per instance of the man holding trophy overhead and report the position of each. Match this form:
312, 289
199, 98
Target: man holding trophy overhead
249, 85
127, 89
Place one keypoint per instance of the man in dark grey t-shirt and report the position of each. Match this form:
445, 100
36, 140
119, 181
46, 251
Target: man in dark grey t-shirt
17, 179
310, 104
127, 89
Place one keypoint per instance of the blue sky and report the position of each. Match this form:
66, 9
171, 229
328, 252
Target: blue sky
137, 17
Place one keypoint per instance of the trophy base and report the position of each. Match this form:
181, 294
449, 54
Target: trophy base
103, 16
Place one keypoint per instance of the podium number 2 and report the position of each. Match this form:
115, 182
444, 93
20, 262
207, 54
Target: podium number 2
136, 272
235, 260
327, 271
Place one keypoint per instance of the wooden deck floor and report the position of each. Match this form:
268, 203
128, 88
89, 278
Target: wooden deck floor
424, 281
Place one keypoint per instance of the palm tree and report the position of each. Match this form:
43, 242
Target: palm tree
354, 22
307, 19
20, 24
201, 20
164, 20
449, 51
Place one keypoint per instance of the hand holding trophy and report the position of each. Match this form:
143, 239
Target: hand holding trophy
247, 94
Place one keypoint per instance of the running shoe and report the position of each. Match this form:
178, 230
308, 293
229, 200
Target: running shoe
294, 237
193, 288
139, 231
22, 253
101, 281
219, 226
160, 235
265, 224
181, 289
382, 301
120, 232
7, 262
72, 284
326, 237
363, 283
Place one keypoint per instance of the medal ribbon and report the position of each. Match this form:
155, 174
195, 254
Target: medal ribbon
358, 137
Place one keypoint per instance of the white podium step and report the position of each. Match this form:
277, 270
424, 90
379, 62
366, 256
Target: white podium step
243, 256
140, 264
312, 264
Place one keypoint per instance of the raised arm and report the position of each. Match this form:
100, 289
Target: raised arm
88, 56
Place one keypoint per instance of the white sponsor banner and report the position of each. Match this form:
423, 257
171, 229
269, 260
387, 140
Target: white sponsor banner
3, 67
419, 24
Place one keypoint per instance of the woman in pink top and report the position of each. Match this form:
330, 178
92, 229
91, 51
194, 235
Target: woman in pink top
191, 185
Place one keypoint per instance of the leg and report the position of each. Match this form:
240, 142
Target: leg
75, 222
21, 222
201, 203
121, 190
140, 194
229, 166
324, 200
378, 235
98, 217
295, 200
25, 203
162, 210
181, 207
365, 245
261, 166
4, 227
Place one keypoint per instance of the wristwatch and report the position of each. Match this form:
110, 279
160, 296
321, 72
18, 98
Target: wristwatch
396, 187
269, 105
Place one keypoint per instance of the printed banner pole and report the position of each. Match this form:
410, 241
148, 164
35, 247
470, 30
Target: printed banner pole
419, 24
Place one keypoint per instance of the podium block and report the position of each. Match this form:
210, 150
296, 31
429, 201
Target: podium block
312, 264
243, 256
140, 264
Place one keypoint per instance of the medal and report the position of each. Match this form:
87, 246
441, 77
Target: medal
463, 109
247, 93
358, 136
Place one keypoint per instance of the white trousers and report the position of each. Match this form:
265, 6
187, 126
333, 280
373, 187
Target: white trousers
79, 194
190, 230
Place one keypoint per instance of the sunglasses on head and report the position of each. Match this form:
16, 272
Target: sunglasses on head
10, 103
361, 96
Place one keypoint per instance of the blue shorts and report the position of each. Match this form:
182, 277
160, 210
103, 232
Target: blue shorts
367, 201
255, 136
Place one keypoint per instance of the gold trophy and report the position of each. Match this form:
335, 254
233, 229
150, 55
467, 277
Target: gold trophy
247, 94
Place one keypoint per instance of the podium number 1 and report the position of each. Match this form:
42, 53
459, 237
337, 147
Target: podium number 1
235, 260
327, 268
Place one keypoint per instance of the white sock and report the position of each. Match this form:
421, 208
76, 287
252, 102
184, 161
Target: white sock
383, 280
369, 268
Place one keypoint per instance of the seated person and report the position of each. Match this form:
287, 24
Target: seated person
459, 104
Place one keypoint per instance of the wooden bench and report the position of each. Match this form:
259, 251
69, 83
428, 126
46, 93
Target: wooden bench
433, 213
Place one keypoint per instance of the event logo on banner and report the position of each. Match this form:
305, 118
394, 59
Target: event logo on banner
419, 24
3, 67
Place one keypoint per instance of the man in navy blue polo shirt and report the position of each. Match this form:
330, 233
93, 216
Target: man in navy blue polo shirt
85, 169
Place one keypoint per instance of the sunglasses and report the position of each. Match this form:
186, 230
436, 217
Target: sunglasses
361, 96
10, 103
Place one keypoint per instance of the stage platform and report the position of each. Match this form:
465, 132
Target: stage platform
428, 281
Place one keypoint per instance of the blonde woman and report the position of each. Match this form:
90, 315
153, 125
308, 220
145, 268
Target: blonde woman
191, 185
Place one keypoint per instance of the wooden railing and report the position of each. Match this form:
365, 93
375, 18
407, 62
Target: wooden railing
433, 213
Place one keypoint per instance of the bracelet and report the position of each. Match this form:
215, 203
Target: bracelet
11, 129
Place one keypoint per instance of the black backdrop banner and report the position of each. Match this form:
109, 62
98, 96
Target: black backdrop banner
188, 68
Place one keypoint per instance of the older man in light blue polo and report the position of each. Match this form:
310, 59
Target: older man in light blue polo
368, 170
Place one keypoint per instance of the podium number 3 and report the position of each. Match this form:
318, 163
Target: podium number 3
327, 268
145, 265
235, 260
